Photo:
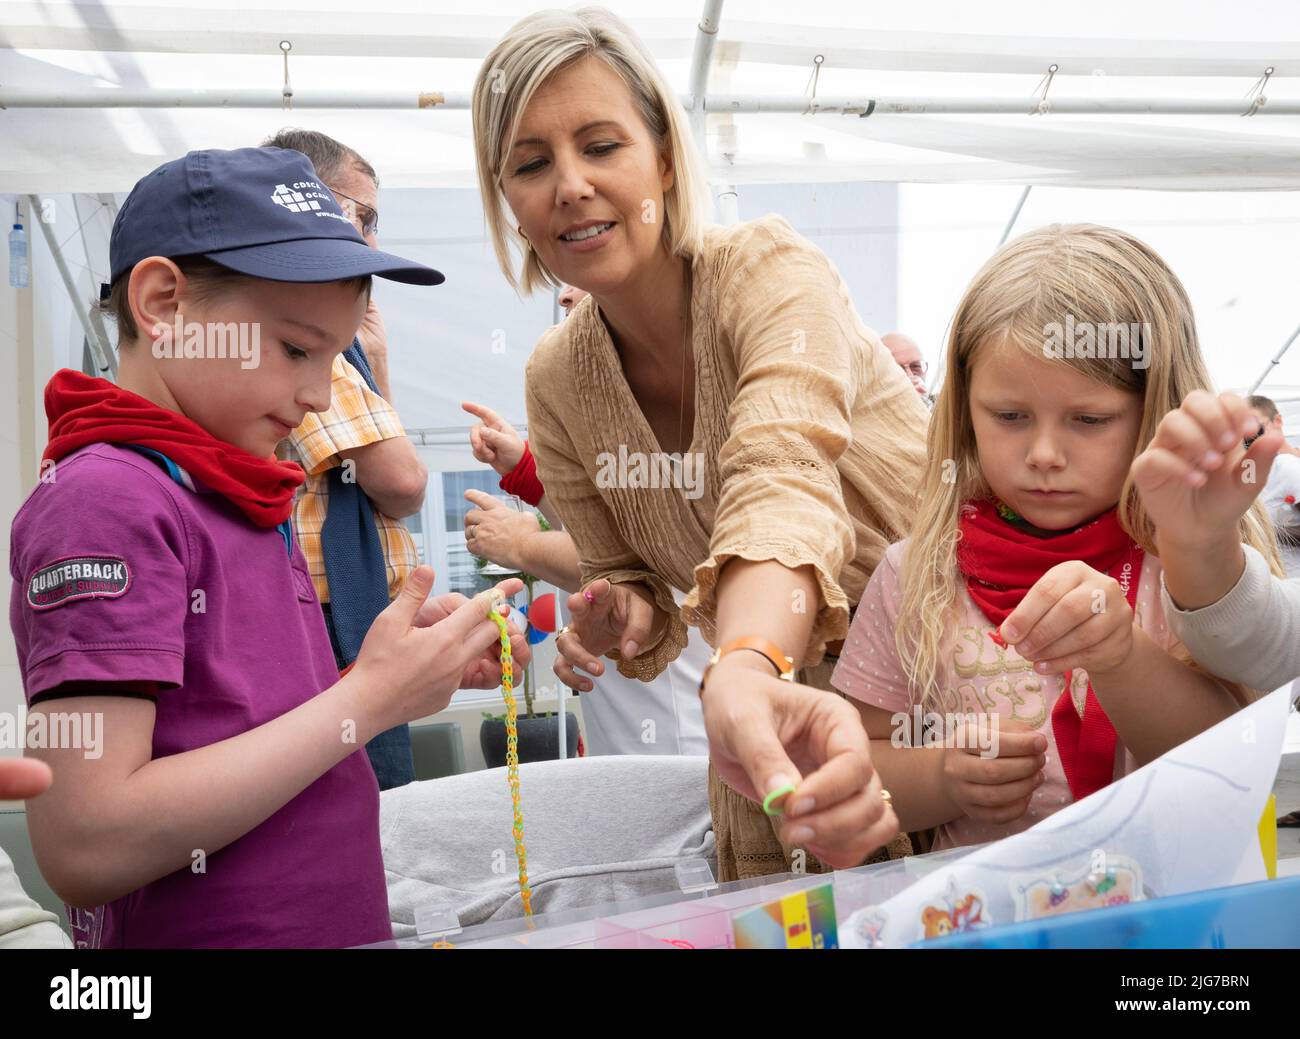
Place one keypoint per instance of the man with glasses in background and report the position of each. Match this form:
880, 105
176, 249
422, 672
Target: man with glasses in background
907, 355
363, 473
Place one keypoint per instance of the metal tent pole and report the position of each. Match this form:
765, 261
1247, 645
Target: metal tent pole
1277, 357
794, 104
96, 318
1015, 214
79, 306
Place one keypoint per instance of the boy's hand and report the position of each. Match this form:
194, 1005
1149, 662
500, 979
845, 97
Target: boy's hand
1196, 478
411, 670
1072, 617
996, 789
485, 672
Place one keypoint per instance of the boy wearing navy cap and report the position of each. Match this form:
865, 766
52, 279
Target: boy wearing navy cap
227, 801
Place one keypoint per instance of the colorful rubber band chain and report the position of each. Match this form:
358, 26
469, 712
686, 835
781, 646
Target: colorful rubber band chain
512, 755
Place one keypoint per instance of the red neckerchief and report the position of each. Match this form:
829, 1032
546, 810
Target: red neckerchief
84, 410
1001, 563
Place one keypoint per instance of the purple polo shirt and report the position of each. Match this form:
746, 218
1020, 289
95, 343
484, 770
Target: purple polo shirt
122, 574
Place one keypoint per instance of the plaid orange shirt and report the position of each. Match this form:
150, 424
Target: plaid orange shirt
356, 417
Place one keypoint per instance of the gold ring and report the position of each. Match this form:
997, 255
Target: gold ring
563, 631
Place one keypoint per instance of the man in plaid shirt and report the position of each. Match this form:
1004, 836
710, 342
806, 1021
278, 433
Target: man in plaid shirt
358, 440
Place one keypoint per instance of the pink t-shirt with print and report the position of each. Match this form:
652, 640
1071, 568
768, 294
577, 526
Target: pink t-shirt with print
986, 677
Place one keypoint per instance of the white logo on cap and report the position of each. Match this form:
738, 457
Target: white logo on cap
294, 201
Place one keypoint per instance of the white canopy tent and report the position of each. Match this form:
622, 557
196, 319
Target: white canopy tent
95, 94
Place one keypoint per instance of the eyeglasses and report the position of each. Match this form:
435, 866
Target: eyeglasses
367, 216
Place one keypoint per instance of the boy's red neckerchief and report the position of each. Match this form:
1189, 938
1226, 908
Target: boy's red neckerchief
84, 410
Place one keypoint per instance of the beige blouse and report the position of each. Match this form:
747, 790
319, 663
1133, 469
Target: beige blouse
810, 438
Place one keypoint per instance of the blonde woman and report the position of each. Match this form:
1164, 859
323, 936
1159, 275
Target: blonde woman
727, 443
1027, 605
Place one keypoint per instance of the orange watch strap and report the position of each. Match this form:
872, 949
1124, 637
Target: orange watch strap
765, 647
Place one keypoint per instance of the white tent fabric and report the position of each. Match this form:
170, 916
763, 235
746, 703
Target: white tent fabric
1158, 50
961, 174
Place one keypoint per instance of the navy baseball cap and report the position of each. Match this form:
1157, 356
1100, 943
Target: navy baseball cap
258, 211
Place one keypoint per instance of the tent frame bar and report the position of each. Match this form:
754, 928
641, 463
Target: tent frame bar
794, 104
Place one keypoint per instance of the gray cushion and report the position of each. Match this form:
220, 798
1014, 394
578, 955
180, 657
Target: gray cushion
596, 830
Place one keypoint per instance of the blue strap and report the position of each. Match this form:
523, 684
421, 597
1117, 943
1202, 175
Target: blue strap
355, 569
179, 476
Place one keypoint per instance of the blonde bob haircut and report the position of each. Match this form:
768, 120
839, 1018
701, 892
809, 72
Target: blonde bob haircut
527, 56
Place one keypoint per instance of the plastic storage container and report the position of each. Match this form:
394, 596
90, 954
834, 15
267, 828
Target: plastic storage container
1265, 915
684, 919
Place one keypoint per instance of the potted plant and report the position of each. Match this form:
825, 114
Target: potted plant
536, 731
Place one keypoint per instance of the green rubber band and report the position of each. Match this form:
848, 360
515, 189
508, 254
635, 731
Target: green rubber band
779, 792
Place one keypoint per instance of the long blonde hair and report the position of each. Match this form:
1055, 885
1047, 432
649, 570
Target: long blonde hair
530, 53
1099, 275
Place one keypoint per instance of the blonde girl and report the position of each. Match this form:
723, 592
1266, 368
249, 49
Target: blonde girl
1022, 617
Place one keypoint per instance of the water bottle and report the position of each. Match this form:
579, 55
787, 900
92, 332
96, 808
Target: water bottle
18, 273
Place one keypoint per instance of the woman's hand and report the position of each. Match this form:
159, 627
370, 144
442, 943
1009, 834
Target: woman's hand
494, 441
1072, 617
996, 789
766, 733
1196, 477
603, 616
494, 531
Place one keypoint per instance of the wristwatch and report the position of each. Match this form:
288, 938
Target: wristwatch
767, 649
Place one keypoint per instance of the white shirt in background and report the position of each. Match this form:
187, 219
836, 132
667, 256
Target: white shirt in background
1284, 480
662, 716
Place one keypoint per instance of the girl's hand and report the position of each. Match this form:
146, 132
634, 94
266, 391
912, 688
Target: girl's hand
766, 733
1196, 478
485, 672
996, 789
411, 669
603, 616
494, 441
1072, 617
